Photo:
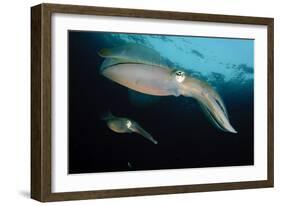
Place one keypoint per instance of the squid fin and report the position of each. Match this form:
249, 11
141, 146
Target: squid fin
107, 115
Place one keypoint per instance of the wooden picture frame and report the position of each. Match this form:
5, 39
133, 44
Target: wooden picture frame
41, 115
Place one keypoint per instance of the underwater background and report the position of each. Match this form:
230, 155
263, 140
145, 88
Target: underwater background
186, 138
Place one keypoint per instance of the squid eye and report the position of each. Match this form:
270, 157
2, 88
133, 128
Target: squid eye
179, 73
180, 76
128, 124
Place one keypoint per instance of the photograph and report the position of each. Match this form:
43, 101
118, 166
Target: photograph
139, 101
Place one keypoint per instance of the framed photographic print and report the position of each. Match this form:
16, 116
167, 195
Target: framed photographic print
132, 102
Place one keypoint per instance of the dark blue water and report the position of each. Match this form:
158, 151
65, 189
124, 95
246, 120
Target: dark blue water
186, 138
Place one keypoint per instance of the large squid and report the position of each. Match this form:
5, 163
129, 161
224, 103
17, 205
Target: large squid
142, 69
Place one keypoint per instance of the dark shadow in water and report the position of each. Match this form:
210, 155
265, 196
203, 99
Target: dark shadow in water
24, 193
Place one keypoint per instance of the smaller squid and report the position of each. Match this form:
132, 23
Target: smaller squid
126, 125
